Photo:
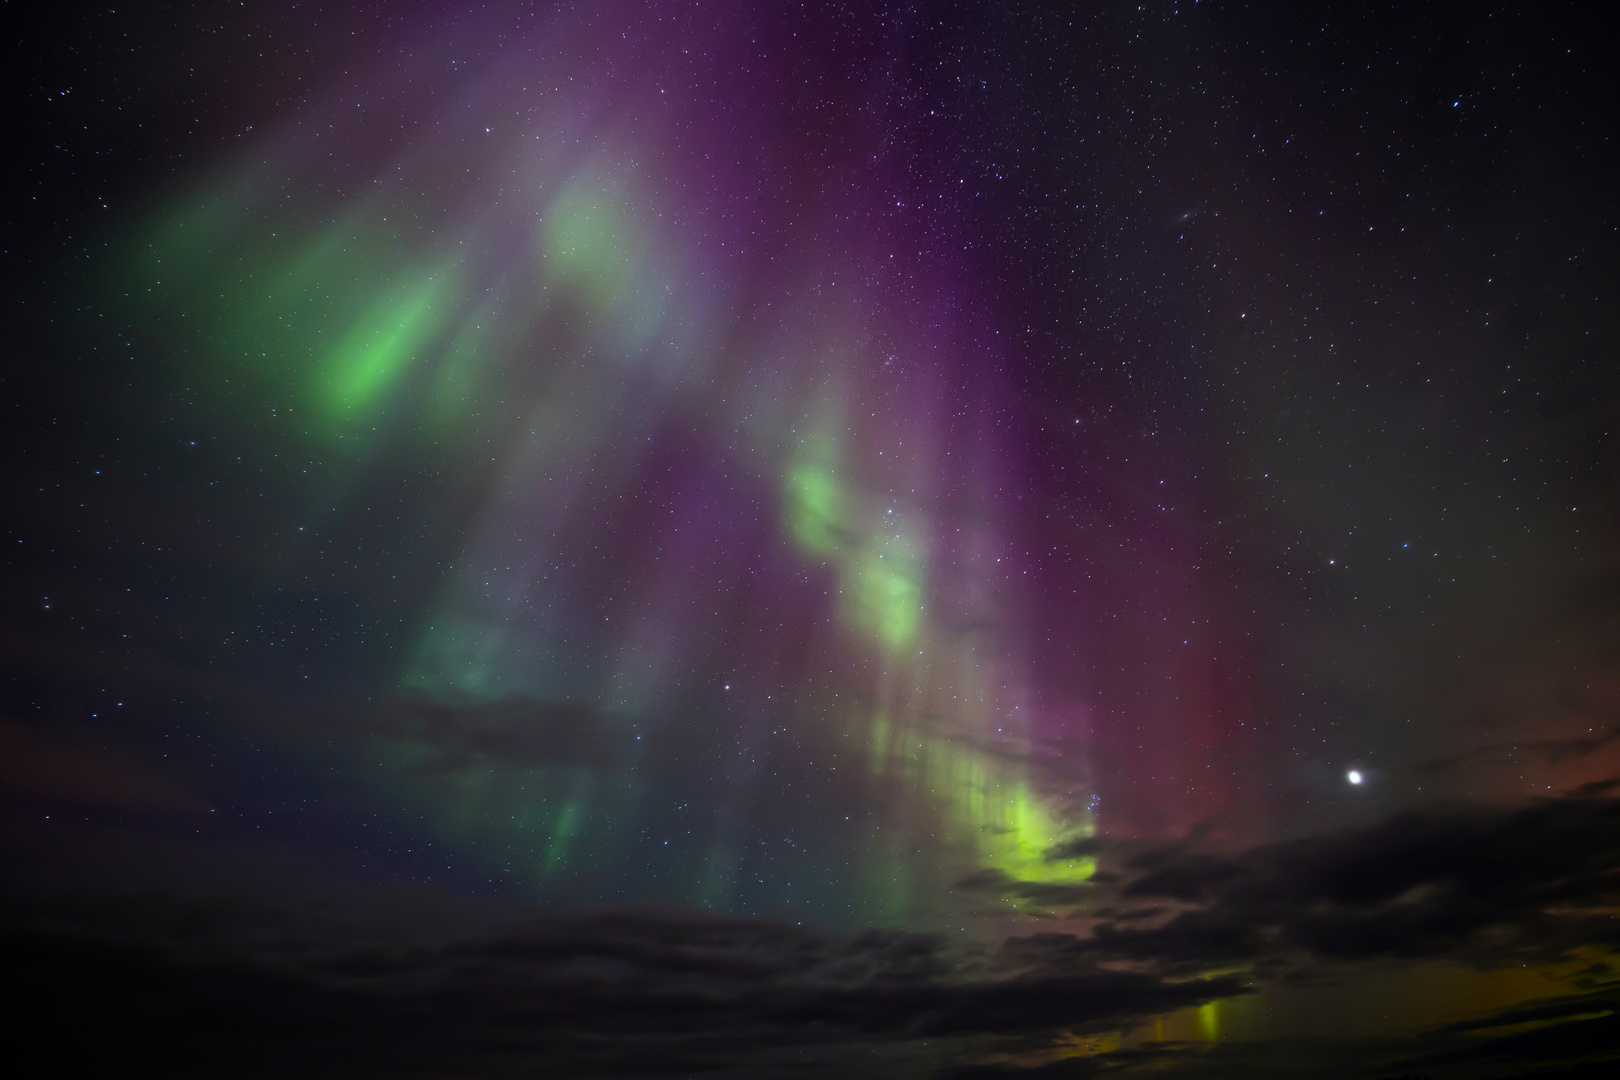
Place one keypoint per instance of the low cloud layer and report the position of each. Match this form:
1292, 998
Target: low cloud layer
520, 733
1487, 887
208, 987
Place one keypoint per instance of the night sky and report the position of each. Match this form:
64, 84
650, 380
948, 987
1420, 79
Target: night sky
752, 540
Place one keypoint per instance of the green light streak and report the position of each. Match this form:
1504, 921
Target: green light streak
881, 577
985, 807
379, 346
814, 507
563, 833
887, 590
330, 325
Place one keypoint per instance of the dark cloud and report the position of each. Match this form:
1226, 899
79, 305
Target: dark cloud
653, 991
48, 768
1597, 787
1594, 1034
1349, 1059
1573, 1007
1046, 894
448, 733
211, 987
1075, 849
511, 732
1486, 886
1551, 751
1157, 1058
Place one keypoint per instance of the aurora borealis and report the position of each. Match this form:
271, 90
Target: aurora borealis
751, 540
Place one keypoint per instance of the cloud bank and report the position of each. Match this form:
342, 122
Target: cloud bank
208, 987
